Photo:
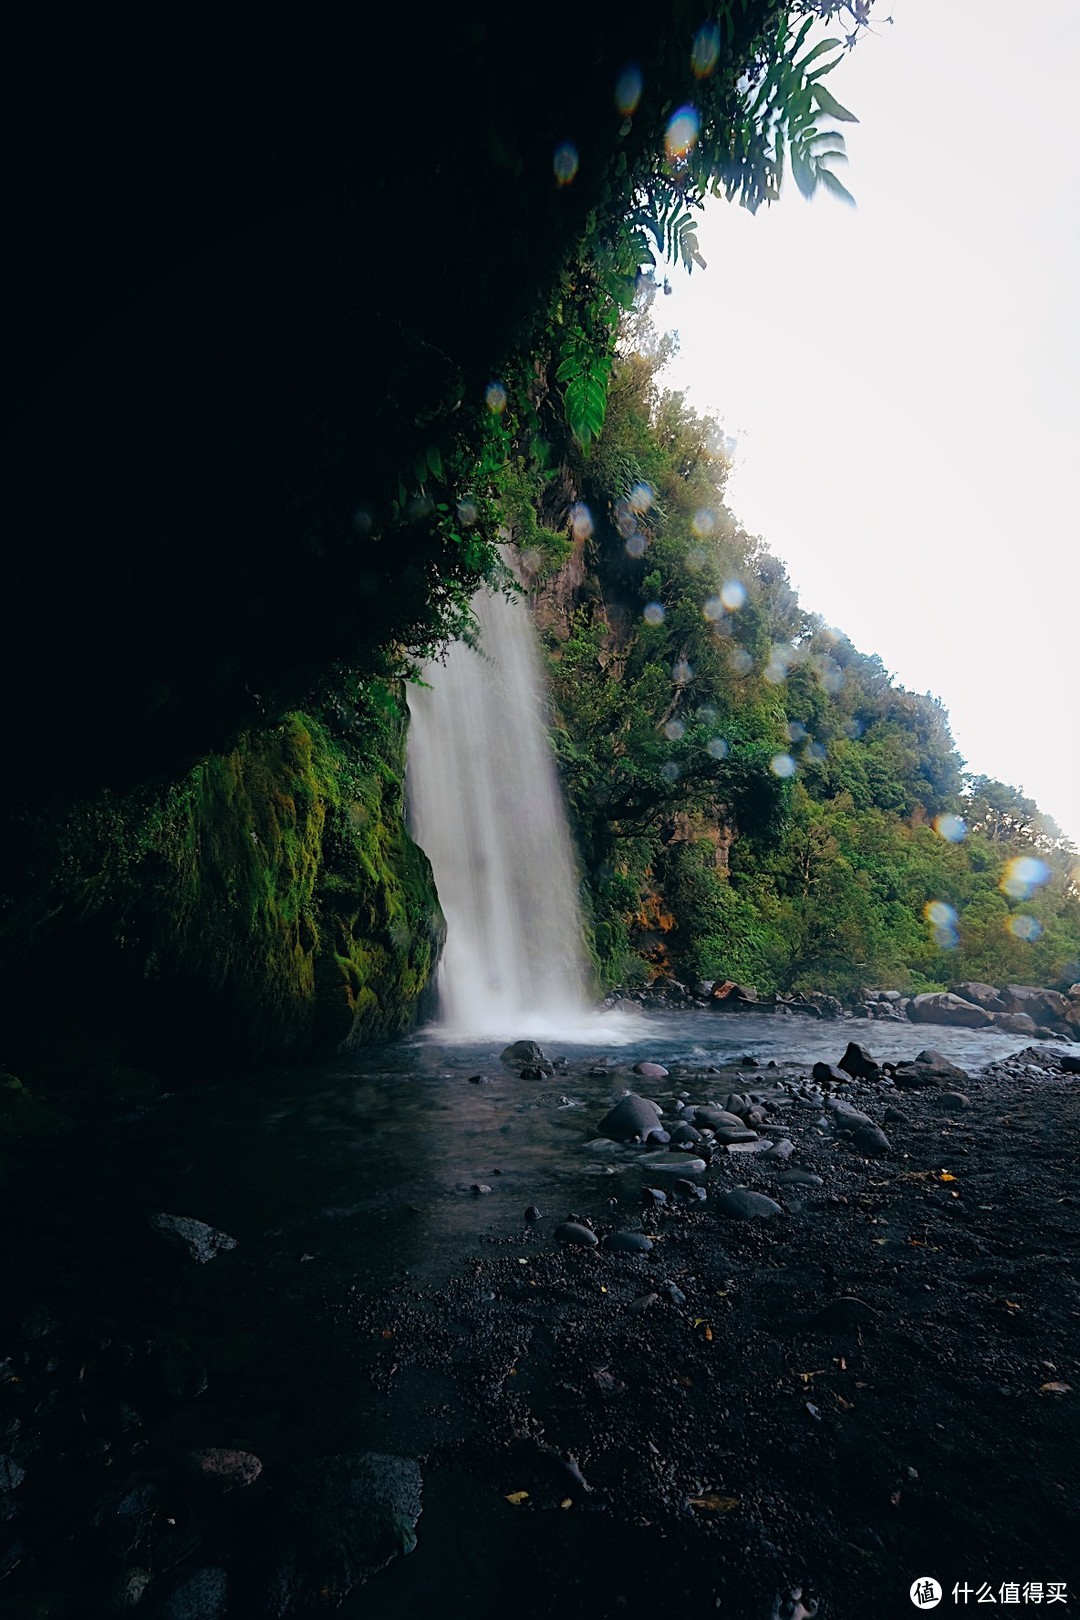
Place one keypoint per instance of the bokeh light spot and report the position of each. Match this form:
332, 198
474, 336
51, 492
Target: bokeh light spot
717, 747
495, 398
952, 828
783, 766
741, 661
670, 771
581, 522
674, 730
468, 512
713, 609
628, 89
796, 731
565, 162
706, 51
1026, 928
703, 522
1022, 876
635, 546
681, 135
654, 613
733, 595
641, 497
681, 672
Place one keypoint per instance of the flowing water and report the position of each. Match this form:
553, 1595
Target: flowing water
485, 805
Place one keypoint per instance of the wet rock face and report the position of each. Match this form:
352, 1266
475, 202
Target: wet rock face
345, 1520
530, 1052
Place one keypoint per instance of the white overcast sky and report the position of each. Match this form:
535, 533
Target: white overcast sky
902, 377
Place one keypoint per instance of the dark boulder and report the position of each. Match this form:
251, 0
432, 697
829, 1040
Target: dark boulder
631, 1118
859, 1064
344, 1520
523, 1052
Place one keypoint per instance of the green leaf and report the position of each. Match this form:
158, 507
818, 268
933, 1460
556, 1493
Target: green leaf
829, 104
831, 183
802, 173
434, 460
818, 50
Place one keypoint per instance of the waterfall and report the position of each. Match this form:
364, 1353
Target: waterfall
485, 805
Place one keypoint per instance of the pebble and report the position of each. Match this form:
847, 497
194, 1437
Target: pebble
689, 1191
896, 1116
574, 1233
717, 1118
779, 1150
651, 1071
728, 1135
628, 1243
532, 1213
682, 1164
653, 1198
674, 1293
742, 1205
479, 1187
795, 1177
12, 1473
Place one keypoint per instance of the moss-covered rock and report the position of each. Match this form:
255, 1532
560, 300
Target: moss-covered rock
270, 902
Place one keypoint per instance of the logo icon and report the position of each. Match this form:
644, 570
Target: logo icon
926, 1592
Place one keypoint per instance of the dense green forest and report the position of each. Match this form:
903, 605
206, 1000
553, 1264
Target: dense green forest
753, 797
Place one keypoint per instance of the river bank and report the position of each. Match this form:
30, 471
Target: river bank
700, 1425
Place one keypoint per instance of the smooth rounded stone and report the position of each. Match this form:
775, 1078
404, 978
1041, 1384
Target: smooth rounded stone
628, 1243
191, 1238
896, 1116
939, 1007
740, 1204
572, 1232
479, 1188
680, 1164
12, 1473
601, 1144
200, 1595
1069, 1063
651, 1071
480, 1079
715, 1118
845, 1115
731, 1135
345, 1519
689, 1191
792, 1176
674, 1293
685, 1134
532, 1213
632, 1117
829, 1074
871, 1141
779, 1150
523, 1052
737, 1103
653, 1197
951, 1102
222, 1468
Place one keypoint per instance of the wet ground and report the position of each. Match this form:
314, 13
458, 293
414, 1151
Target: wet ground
875, 1384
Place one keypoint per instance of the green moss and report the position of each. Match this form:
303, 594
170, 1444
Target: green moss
269, 902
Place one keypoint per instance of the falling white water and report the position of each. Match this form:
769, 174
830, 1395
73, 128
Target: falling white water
485, 806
